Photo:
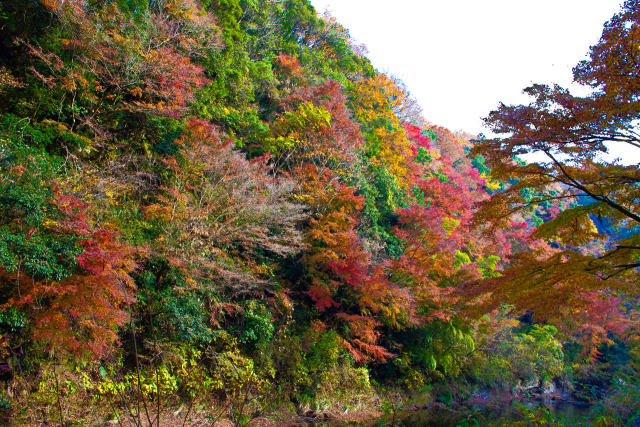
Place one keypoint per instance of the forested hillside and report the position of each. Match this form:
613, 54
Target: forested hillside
219, 209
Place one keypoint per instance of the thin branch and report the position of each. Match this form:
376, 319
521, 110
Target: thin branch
600, 198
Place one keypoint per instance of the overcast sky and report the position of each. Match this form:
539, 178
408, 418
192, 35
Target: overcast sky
461, 58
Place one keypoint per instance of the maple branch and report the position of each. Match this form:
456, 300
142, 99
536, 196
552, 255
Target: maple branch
538, 201
622, 268
628, 266
600, 198
618, 248
614, 137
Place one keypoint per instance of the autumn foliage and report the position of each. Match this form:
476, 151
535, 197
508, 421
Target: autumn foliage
79, 314
223, 203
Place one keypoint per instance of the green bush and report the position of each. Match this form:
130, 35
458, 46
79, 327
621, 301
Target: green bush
513, 358
256, 326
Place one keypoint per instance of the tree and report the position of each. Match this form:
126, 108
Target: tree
220, 210
573, 133
315, 128
71, 278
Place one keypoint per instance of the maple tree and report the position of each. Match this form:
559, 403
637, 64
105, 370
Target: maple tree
573, 133
70, 277
342, 280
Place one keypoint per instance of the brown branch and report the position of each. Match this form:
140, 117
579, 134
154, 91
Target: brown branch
600, 198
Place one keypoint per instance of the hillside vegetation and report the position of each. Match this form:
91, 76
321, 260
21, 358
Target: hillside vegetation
219, 209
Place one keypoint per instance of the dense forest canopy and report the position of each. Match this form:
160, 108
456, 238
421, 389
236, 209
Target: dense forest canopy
221, 205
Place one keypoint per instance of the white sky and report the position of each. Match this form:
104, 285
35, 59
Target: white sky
460, 58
